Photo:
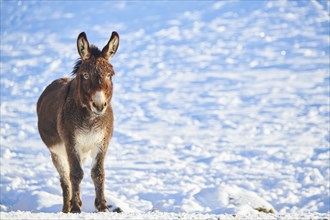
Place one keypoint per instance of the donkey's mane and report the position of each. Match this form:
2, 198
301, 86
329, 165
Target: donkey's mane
95, 52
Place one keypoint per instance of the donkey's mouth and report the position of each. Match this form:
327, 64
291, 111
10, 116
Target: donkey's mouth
97, 112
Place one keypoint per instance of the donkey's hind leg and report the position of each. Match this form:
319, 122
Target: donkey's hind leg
62, 166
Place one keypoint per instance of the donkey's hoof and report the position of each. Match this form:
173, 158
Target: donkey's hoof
118, 210
66, 207
75, 210
104, 210
115, 209
65, 210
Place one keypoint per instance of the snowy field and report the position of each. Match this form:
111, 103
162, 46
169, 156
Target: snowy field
221, 108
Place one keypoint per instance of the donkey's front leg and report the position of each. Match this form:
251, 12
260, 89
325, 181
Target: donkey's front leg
97, 174
76, 175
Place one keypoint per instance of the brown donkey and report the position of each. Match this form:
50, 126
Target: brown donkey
75, 119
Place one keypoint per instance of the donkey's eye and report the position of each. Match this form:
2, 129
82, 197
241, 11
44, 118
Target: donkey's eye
109, 75
85, 75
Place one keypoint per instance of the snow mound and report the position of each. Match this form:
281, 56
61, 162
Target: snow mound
39, 201
232, 200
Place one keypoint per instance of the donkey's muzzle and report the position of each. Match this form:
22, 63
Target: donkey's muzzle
99, 103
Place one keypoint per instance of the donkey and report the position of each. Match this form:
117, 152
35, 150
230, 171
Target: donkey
75, 119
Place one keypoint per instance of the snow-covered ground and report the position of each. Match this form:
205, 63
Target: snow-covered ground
221, 108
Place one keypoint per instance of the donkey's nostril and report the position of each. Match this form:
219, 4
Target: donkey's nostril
105, 104
94, 105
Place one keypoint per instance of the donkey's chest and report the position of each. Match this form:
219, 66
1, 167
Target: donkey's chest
89, 142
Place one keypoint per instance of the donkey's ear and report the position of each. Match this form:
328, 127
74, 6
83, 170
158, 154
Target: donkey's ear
110, 49
83, 46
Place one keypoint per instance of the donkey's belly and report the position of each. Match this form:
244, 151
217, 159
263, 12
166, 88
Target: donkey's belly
89, 143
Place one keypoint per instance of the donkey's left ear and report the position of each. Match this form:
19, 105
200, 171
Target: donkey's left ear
110, 49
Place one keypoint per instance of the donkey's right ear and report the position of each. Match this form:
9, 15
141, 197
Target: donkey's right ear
83, 46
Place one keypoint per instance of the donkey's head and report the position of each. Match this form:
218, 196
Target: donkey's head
94, 73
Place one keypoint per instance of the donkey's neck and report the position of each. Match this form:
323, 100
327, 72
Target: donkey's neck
74, 94
79, 113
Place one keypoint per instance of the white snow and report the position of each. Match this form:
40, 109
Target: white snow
221, 108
